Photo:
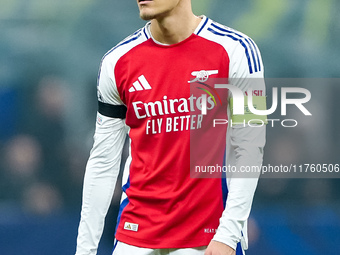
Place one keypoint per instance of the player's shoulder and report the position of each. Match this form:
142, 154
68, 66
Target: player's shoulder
222, 30
127, 44
226, 36
239, 46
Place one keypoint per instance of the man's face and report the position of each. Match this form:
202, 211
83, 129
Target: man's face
151, 9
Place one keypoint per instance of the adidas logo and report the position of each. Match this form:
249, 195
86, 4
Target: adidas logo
131, 226
140, 84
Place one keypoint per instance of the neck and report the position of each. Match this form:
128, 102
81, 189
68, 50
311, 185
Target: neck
176, 26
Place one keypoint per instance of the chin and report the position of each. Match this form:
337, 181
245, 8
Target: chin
146, 15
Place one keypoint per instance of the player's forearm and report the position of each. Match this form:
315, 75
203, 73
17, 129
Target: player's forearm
247, 144
96, 200
236, 212
100, 177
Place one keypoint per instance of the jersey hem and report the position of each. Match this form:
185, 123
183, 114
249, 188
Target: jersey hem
173, 244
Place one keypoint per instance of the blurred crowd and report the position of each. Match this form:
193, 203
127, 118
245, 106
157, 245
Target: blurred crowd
39, 168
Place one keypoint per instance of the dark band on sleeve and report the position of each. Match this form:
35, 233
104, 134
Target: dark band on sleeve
113, 111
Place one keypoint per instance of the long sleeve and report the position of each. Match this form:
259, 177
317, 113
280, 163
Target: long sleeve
245, 145
99, 183
104, 162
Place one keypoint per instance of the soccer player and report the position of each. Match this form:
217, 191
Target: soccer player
144, 91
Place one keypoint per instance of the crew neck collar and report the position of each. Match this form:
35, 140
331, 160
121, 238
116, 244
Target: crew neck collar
196, 32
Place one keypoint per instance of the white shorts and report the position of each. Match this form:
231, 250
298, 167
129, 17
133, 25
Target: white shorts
126, 249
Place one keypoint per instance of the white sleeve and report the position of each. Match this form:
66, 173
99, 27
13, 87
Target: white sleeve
247, 144
244, 148
99, 182
103, 166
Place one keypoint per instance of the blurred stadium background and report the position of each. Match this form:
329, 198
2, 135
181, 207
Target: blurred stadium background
49, 57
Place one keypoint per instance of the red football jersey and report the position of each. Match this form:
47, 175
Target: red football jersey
162, 87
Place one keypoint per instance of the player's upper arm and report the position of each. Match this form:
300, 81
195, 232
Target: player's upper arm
246, 72
109, 102
245, 60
